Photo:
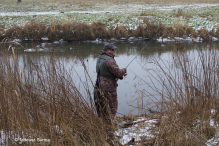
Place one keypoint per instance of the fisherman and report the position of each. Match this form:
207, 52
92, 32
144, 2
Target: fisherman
105, 94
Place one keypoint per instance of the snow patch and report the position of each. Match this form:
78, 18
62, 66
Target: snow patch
140, 128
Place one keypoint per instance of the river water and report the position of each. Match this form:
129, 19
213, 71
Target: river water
131, 97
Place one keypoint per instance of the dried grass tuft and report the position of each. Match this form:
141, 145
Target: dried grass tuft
151, 30
204, 34
140, 31
13, 32
168, 32
47, 107
217, 32
54, 31
74, 31
99, 30
189, 94
121, 31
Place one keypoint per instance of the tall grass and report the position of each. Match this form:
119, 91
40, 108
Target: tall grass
42, 101
188, 96
74, 31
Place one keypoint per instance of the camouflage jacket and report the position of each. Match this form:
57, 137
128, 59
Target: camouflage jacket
108, 84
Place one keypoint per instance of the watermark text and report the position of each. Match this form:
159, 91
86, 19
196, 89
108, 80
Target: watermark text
31, 140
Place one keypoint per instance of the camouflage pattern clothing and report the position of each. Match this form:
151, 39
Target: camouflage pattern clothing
106, 106
107, 103
108, 84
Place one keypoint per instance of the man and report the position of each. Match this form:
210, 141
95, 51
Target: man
108, 73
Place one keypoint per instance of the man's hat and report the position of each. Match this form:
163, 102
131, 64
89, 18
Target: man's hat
109, 46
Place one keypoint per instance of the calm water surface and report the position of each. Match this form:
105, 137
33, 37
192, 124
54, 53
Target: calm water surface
130, 97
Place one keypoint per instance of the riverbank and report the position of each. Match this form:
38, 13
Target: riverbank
75, 21
34, 32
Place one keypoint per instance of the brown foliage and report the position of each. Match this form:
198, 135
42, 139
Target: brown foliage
53, 108
99, 30
13, 32
1, 32
204, 34
160, 30
168, 32
54, 31
189, 30
121, 31
179, 30
82, 31
67, 31
33, 30
151, 30
187, 97
217, 33
71, 31
140, 31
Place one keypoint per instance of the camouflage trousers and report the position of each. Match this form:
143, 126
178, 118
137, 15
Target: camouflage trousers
106, 105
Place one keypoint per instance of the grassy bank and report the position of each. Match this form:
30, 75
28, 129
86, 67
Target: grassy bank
73, 31
74, 20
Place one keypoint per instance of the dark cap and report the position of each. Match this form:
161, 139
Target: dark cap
109, 46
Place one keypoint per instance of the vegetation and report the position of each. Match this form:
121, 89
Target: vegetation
46, 105
113, 19
73, 31
188, 97
43, 101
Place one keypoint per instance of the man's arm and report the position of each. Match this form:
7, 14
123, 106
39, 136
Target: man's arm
114, 68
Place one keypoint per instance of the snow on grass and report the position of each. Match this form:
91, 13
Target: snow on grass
141, 128
5, 137
196, 15
199, 23
215, 140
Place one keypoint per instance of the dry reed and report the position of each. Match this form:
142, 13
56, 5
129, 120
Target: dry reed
74, 31
42, 101
187, 98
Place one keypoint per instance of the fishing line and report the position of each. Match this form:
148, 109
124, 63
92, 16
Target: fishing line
139, 52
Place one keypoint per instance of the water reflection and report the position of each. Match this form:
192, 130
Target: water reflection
130, 90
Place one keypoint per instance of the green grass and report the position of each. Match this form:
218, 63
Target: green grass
166, 17
122, 15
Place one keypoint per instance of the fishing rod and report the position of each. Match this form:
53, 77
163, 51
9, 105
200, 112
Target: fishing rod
139, 53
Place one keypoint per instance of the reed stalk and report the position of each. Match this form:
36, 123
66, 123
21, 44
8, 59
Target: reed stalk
41, 101
189, 90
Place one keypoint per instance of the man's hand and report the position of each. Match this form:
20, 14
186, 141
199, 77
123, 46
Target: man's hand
125, 74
